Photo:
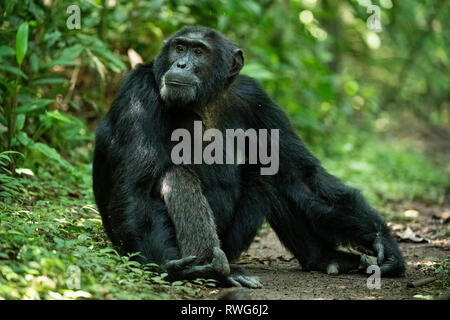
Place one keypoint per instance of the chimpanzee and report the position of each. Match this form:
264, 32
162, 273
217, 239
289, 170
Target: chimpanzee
195, 218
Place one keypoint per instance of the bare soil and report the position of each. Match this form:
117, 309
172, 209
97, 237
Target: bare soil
282, 276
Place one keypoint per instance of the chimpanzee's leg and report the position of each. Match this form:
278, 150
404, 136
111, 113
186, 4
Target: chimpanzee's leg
298, 235
248, 217
262, 199
339, 215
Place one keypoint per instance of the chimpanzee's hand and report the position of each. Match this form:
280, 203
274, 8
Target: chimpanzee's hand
186, 269
388, 255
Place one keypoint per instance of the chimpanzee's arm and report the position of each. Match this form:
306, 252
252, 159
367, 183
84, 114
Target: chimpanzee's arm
195, 229
190, 213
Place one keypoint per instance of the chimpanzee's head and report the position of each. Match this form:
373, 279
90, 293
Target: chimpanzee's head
195, 65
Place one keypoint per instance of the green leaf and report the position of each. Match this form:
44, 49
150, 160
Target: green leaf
74, 105
34, 62
50, 81
33, 106
67, 56
3, 120
50, 153
6, 51
20, 121
21, 42
58, 116
71, 53
24, 139
14, 70
59, 62
104, 52
257, 71
7, 86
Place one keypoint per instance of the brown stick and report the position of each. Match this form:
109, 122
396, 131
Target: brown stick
421, 282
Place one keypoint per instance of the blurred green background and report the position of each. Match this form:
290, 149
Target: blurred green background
373, 106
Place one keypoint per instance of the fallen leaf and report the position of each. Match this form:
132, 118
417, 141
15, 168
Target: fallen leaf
411, 236
442, 243
411, 213
444, 216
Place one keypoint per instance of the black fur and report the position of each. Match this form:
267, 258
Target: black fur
311, 211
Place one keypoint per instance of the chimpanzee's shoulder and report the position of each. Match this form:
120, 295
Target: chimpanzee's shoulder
140, 72
249, 89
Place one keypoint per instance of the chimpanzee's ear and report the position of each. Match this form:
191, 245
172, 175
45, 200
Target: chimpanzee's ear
238, 62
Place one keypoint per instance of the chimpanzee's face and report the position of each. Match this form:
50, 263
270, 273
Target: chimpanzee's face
189, 58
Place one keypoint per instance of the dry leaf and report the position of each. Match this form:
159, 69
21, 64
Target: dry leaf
411, 213
444, 216
411, 236
134, 57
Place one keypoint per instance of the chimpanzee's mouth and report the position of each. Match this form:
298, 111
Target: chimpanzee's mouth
178, 83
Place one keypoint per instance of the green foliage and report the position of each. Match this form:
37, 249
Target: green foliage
9, 186
21, 42
53, 226
442, 270
387, 169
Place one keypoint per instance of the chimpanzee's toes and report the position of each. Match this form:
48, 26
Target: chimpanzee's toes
337, 262
333, 269
364, 263
348, 263
239, 277
237, 280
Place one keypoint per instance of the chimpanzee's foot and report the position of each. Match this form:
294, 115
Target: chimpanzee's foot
337, 262
347, 263
239, 277
389, 257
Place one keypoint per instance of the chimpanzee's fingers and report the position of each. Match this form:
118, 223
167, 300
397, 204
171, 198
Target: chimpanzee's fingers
390, 268
393, 265
232, 283
201, 271
389, 257
185, 268
180, 264
379, 249
364, 263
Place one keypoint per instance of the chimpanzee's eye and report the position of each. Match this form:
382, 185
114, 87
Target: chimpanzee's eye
198, 51
179, 48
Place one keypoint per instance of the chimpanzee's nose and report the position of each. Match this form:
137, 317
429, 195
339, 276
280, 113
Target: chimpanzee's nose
181, 65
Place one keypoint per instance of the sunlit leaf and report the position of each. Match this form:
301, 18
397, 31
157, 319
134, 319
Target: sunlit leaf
21, 42
34, 106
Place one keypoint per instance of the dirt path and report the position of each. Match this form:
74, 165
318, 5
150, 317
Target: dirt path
283, 278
